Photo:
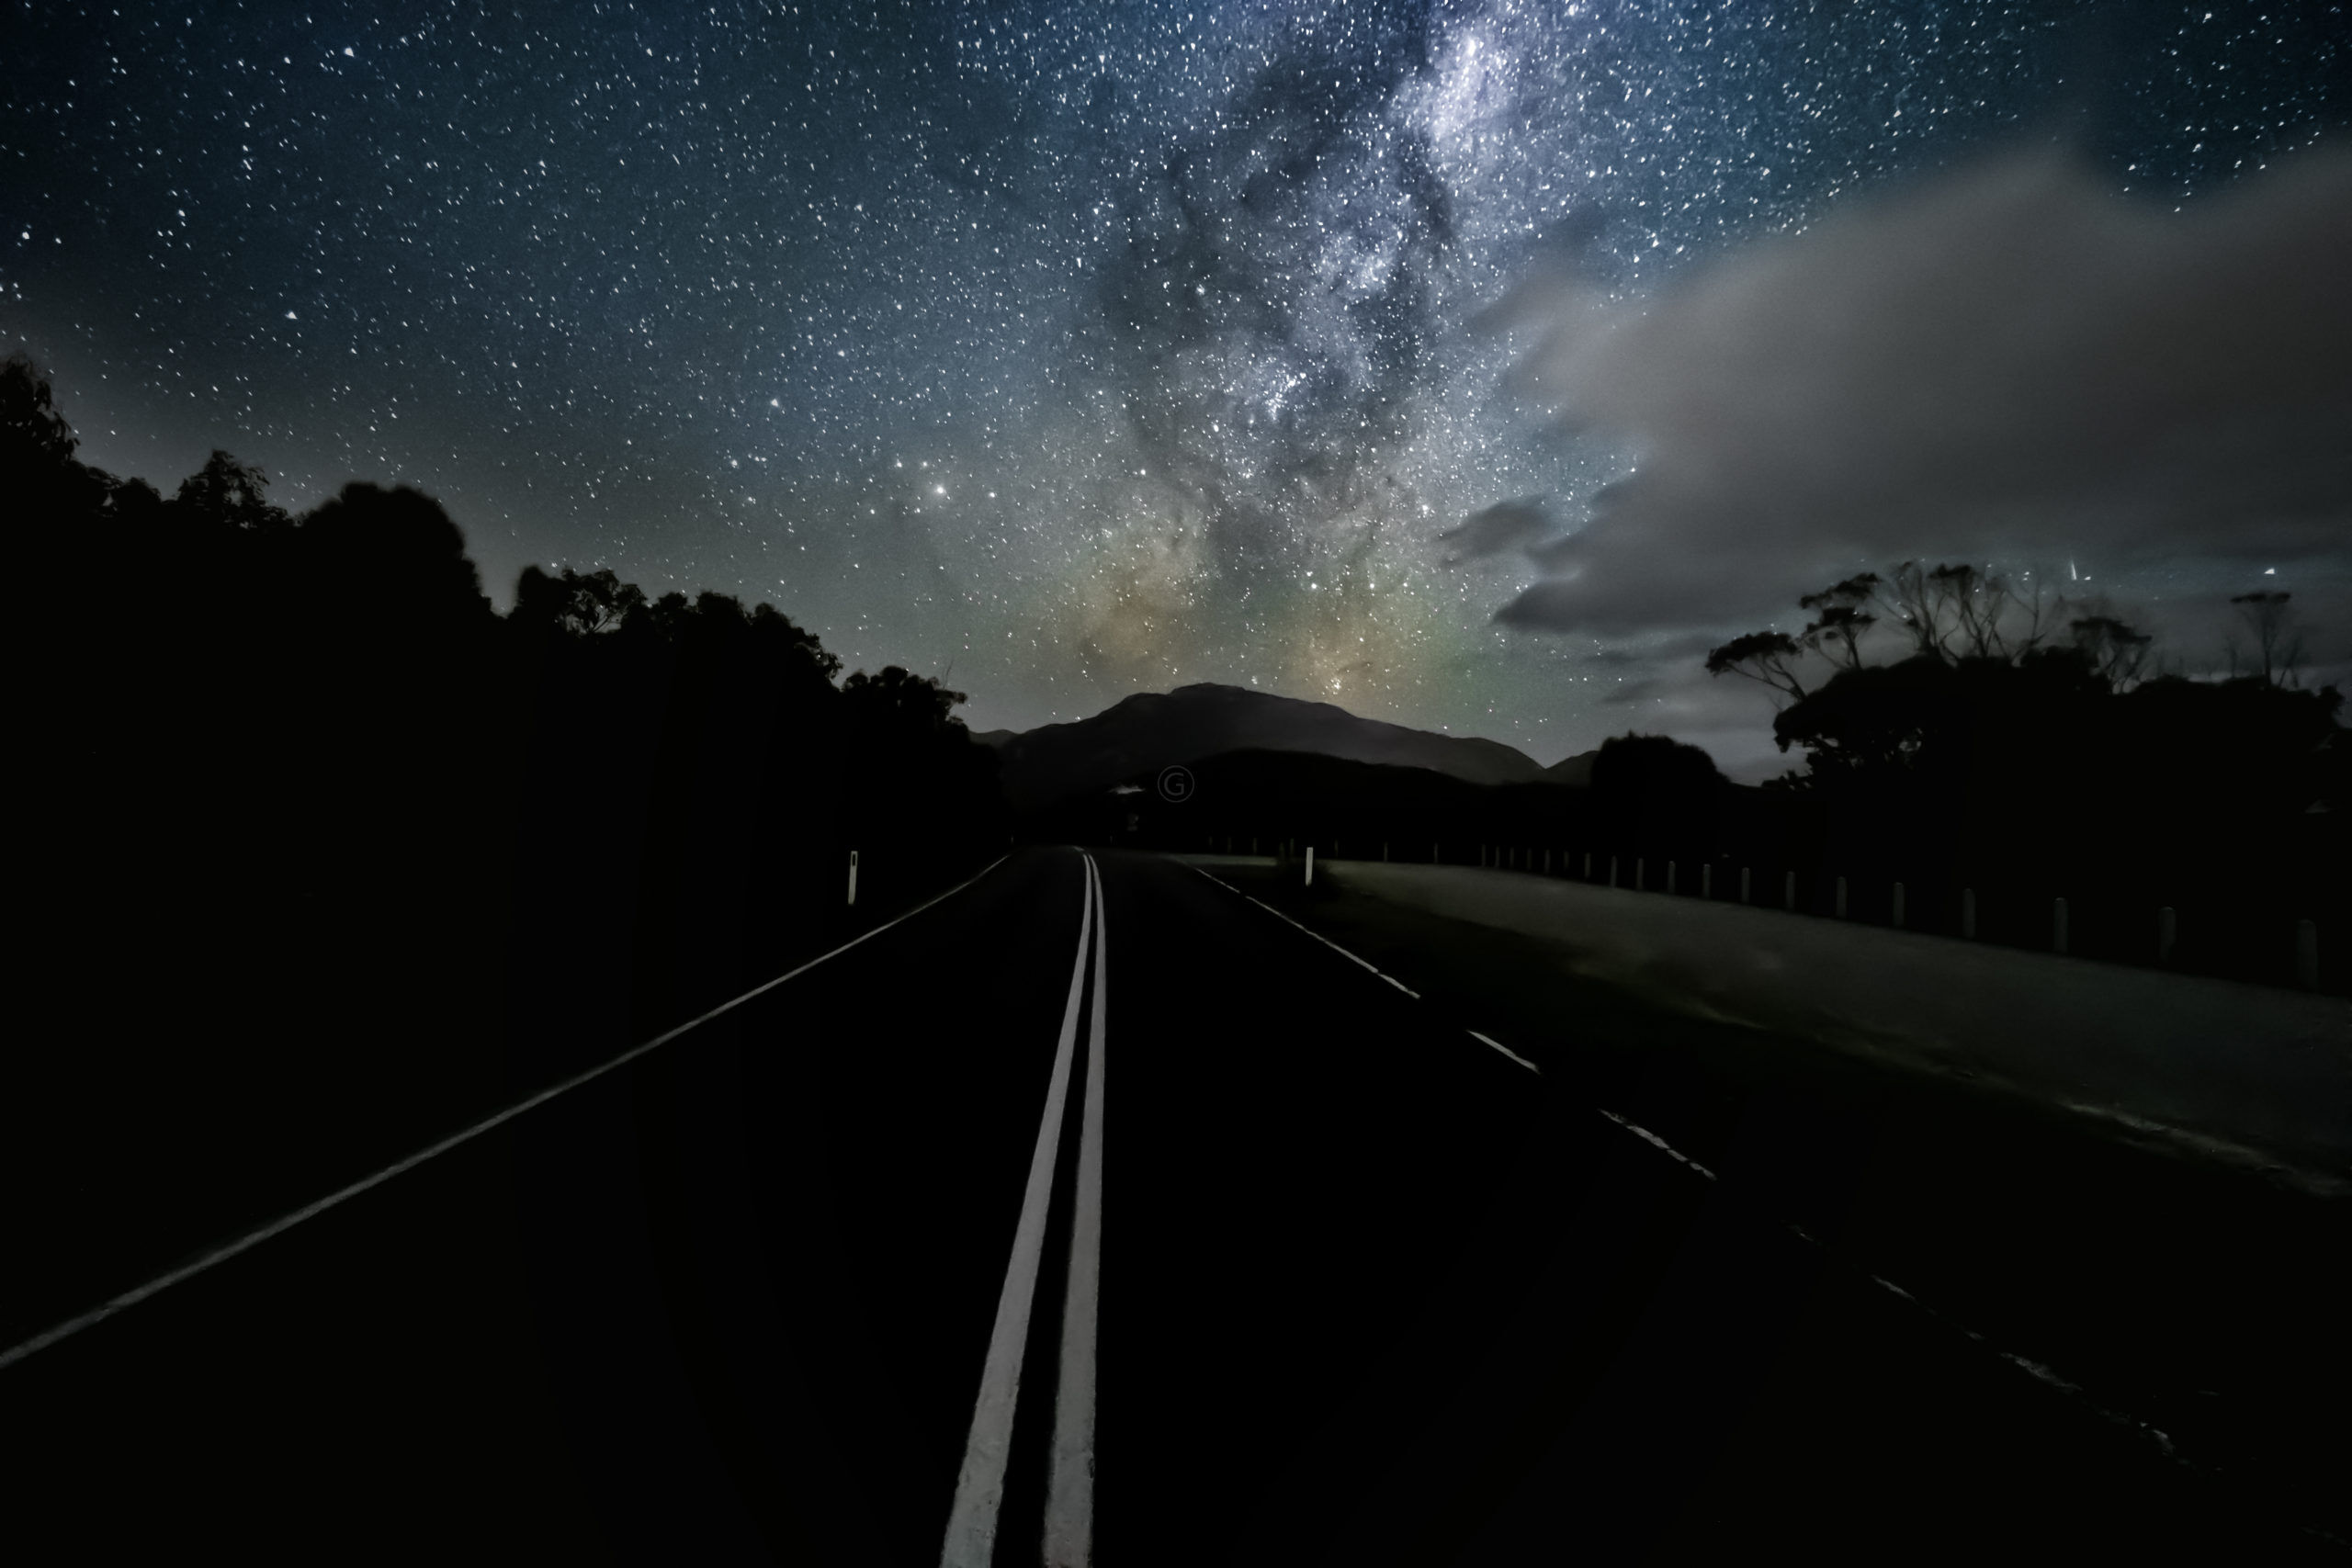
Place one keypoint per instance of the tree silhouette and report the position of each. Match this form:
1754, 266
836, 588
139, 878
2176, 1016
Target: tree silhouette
1840, 619
1951, 613
1768, 657
1657, 793
1994, 753
34, 437
1981, 703
2115, 649
899, 698
36, 446
226, 494
398, 561
2277, 641
582, 604
916, 775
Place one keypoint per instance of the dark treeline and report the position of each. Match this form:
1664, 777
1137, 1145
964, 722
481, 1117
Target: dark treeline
2011, 749
1972, 733
323, 855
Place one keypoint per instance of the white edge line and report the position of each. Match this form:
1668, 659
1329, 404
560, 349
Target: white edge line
254, 1239
970, 1538
1507, 1051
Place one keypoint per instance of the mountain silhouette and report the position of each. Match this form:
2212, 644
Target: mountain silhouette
1576, 770
1155, 729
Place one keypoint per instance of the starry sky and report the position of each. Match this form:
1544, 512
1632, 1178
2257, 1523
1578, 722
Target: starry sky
1475, 365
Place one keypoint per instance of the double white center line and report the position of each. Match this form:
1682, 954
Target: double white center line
979, 1485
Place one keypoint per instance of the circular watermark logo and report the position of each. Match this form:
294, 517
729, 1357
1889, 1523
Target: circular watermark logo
1176, 783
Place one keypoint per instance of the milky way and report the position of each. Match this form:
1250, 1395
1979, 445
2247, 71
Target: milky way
1075, 349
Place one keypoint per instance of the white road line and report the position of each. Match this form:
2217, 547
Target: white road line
979, 1484
1316, 934
254, 1239
1311, 931
1376, 969
1070, 1495
1508, 1052
2162, 1440
2035, 1368
1655, 1141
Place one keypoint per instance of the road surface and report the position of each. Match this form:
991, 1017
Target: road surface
1106, 1210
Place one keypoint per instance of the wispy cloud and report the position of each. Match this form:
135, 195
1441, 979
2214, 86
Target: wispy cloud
2008, 361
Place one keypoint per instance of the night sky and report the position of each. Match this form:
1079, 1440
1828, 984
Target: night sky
1472, 366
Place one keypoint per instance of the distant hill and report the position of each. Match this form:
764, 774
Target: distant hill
1576, 770
1154, 729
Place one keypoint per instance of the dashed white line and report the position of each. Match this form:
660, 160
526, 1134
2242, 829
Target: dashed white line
1489, 1039
1326, 941
1364, 963
2032, 1367
2036, 1370
1652, 1138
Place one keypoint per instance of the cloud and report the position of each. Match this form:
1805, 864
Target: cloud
2009, 362
1493, 530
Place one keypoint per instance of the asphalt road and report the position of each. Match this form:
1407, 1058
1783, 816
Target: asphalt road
1371, 1289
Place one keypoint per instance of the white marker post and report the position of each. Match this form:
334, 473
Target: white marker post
852, 876
1310, 866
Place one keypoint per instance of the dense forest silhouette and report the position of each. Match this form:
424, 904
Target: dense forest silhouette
324, 856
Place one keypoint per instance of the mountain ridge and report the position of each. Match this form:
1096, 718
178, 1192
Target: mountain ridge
1149, 730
